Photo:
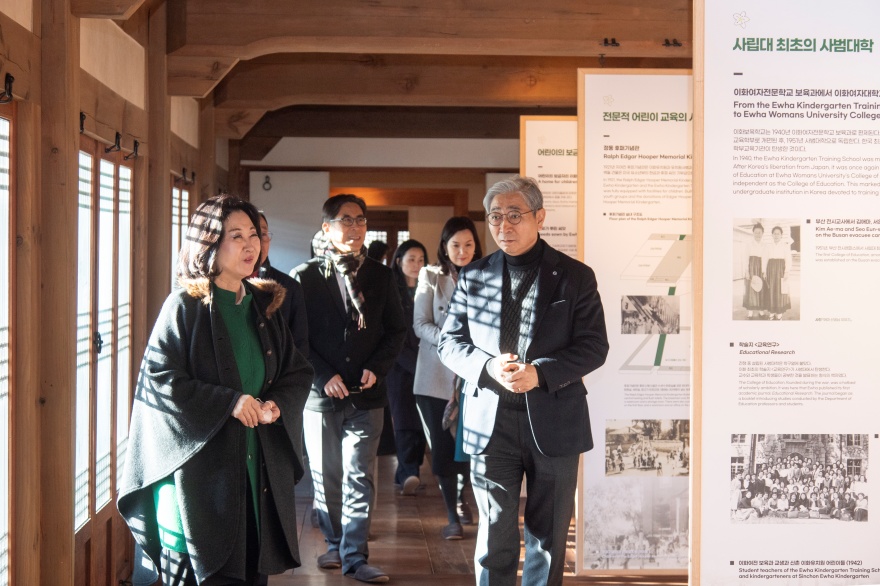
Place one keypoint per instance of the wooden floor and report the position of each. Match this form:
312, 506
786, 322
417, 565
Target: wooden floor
406, 543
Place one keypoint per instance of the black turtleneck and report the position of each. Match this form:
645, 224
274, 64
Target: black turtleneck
532, 256
518, 293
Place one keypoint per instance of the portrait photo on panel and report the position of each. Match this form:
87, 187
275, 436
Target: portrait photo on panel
647, 447
766, 269
798, 478
650, 314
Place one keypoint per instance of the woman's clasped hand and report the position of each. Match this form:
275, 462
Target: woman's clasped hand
252, 412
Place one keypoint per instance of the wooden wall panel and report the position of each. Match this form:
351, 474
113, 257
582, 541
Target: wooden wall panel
182, 156
108, 113
20, 56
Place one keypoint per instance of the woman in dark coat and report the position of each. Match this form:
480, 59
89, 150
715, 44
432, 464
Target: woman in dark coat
409, 439
216, 423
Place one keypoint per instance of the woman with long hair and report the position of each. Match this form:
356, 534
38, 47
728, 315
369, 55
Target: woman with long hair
409, 439
435, 385
216, 425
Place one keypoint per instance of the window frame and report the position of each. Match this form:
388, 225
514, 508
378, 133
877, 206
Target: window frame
101, 515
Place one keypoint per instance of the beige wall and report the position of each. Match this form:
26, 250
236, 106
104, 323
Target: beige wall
21, 11
425, 224
185, 119
221, 155
113, 58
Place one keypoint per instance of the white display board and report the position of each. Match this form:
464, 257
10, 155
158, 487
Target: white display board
636, 149
791, 201
548, 154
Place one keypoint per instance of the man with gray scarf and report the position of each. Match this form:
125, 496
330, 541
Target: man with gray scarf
525, 325
356, 330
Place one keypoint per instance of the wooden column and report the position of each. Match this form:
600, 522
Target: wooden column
158, 269
58, 155
206, 180
26, 492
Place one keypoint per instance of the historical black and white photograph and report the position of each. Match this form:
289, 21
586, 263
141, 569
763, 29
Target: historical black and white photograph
647, 447
798, 478
766, 269
650, 314
636, 524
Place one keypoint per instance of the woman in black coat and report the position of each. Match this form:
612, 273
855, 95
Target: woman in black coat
216, 423
409, 439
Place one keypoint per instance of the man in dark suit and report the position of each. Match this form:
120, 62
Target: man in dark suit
356, 330
294, 306
524, 326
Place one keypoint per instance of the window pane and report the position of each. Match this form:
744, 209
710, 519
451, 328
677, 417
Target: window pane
123, 319
175, 232
402, 236
83, 340
6, 279
106, 248
372, 235
184, 211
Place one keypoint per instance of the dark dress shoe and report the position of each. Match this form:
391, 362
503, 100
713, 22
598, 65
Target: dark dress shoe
330, 560
368, 573
452, 531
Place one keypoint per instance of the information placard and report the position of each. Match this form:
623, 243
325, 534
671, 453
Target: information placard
548, 154
636, 160
791, 226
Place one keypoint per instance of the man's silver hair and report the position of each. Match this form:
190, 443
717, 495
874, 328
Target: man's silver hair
526, 186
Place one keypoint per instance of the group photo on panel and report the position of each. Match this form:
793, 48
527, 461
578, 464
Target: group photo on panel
472, 366
799, 478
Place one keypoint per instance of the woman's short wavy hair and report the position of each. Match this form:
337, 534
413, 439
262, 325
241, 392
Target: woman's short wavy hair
198, 253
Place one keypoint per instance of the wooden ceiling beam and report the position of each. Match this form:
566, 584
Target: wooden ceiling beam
273, 82
207, 37
197, 76
480, 27
386, 122
115, 9
397, 122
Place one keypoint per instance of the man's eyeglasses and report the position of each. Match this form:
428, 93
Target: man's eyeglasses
267, 236
348, 221
513, 217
